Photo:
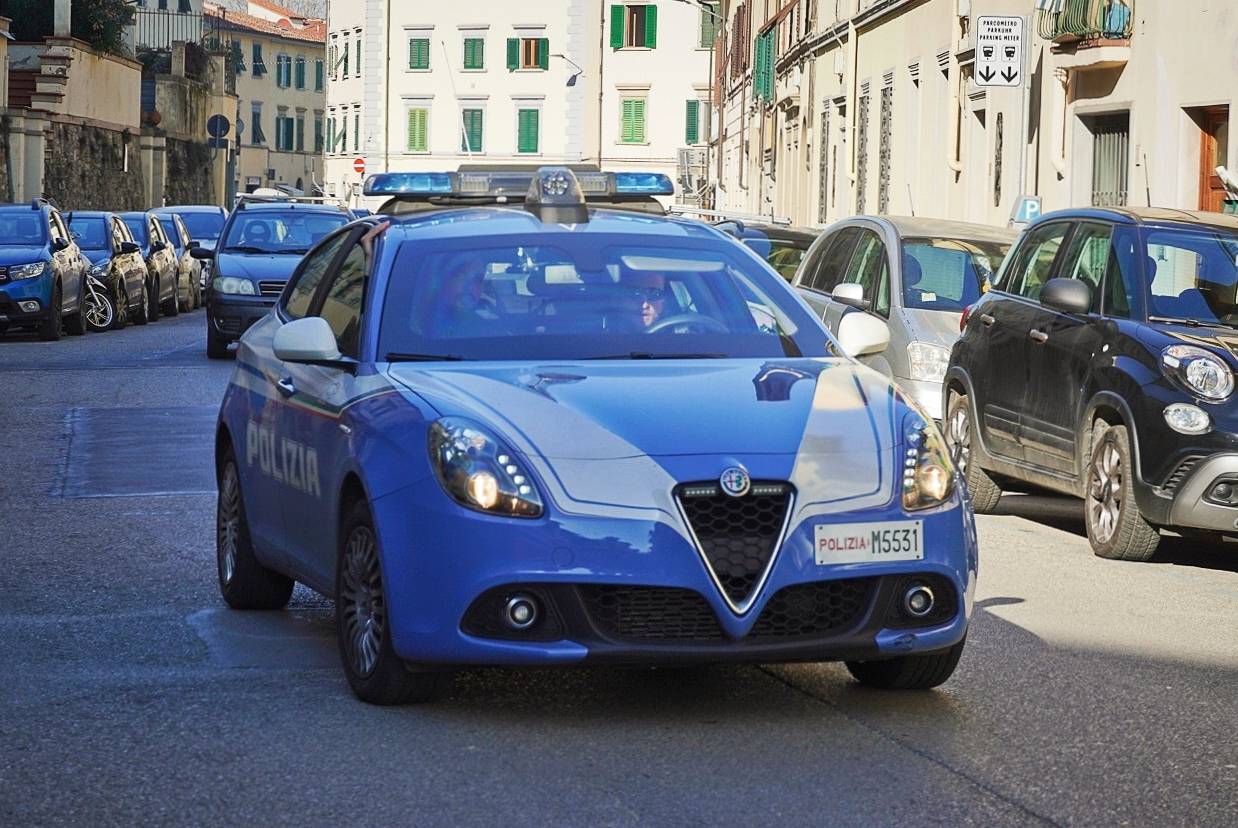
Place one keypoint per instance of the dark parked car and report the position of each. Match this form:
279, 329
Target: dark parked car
1102, 365
261, 245
781, 246
189, 278
204, 222
163, 275
42, 271
116, 263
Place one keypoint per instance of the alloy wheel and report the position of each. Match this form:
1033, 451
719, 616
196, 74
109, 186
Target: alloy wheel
1105, 491
958, 440
98, 310
228, 522
361, 602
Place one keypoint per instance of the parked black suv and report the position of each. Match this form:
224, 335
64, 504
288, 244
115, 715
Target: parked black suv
1102, 365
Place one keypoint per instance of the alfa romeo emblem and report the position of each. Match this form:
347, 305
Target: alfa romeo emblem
735, 481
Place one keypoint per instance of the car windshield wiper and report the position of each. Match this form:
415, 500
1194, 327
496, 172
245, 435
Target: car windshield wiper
1192, 323
245, 248
650, 355
397, 356
300, 251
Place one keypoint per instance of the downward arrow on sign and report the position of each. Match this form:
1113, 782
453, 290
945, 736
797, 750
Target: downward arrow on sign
1010, 75
986, 74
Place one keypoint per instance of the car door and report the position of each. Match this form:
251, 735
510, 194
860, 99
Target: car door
164, 256
1064, 348
188, 264
66, 262
132, 266
870, 269
826, 267
1007, 321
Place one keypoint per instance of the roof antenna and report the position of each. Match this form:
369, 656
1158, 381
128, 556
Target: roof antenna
910, 200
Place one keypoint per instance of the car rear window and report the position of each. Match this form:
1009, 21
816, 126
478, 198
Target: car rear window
948, 274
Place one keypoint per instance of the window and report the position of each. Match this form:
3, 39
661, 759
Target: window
528, 130
885, 149
419, 53
306, 285
870, 269
471, 130
300, 130
633, 26
236, 55
1123, 290
948, 273
319, 75
299, 81
418, 129
711, 21
1032, 266
1111, 136
257, 136
834, 259
341, 307
331, 133
283, 132
356, 130
633, 121
319, 137
528, 53
357, 67
763, 69
695, 116
259, 68
474, 53
342, 137
283, 71
1088, 256
344, 60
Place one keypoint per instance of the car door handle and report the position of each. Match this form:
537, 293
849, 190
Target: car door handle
285, 386
987, 320
1039, 337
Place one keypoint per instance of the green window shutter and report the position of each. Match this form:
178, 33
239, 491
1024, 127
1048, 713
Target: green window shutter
418, 122
709, 25
471, 140
474, 53
543, 53
419, 53
616, 26
692, 129
319, 70
528, 132
627, 119
358, 67
633, 116
513, 53
651, 26
638, 112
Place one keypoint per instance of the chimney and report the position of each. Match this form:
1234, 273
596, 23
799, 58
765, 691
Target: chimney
62, 26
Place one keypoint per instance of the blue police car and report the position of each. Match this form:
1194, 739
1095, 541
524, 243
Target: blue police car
511, 428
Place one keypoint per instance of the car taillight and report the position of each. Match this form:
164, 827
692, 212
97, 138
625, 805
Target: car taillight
963, 319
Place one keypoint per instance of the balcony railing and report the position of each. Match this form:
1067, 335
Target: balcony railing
158, 29
1065, 21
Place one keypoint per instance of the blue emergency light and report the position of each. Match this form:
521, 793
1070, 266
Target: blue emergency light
513, 185
409, 183
631, 183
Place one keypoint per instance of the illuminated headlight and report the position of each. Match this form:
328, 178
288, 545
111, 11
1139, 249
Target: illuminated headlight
27, 271
928, 475
231, 284
928, 362
480, 472
1185, 418
1200, 370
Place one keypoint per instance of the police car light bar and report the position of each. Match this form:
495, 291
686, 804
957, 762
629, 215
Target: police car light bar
510, 185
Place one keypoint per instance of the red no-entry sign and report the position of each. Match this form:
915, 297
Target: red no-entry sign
358, 165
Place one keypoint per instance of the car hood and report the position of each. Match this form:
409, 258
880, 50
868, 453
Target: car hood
940, 327
240, 265
97, 256
19, 255
614, 410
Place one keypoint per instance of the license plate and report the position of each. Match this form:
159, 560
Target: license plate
893, 540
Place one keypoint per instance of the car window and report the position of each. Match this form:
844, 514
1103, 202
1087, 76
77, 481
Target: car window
204, 226
341, 306
834, 260
1191, 272
1088, 257
137, 228
156, 231
53, 227
783, 255
168, 226
870, 268
1122, 290
315, 267
118, 233
92, 232
1033, 263
280, 231
181, 230
948, 274
21, 226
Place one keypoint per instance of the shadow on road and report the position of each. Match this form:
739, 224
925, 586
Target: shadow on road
1066, 514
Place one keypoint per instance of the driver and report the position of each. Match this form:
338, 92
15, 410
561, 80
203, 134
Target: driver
464, 309
256, 233
648, 296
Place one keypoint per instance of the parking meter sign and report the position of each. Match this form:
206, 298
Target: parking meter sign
999, 51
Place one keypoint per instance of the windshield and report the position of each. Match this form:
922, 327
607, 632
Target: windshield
26, 228
169, 227
783, 255
203, 226
948, 274
621, 298
137, 226
1192, 274
271, 231
92, 232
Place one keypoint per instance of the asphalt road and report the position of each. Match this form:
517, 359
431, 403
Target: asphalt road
1091, 692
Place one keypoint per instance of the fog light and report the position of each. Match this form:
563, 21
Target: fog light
918, 601
521, 612
1222, 491
1185, 418
29, 306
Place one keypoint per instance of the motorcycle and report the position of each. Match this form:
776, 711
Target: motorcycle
101, 308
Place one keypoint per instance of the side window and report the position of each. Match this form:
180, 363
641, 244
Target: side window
313, 270
1033, 265
56, 229
341, 307
1123, 289
182, 230
156, 232
870, 268
833, 262
118, 235
1088, 257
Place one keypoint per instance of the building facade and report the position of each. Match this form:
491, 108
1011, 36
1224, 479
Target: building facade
831, 108
279, 60
413, 86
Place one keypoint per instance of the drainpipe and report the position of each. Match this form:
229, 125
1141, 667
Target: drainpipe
954, 151
853, 104
602, 46
1061, 100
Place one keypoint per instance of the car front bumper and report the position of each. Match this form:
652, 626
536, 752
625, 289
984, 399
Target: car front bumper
637, 591
1190, 509
230, 316
928, 395
14, 294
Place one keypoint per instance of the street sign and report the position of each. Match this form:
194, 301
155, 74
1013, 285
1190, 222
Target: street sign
358, 166
217, 126
999, 51
1026, 210
218, 143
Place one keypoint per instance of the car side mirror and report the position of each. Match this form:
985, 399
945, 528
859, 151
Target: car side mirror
60, 244
130, 247
155, 247
851, 294
860, 334
193, 245
199, 252
1067, 295
310, 341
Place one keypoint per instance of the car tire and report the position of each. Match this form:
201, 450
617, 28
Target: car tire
911, 672
172, 307
75, 323
216, 347
121, 318
1115, 527
49, 329
100, 310
243, 581
985, 493
362, 624
142, 313
152, 302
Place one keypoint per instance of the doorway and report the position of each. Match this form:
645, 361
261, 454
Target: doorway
1213, 153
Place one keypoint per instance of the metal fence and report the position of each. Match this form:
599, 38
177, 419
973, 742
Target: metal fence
1070, 20
159, 29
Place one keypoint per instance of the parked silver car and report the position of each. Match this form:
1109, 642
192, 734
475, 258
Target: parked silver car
914, 274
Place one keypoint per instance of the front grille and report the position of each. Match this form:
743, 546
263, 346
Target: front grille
271, 288
646, 614
1180, 474
738, 535
814, 610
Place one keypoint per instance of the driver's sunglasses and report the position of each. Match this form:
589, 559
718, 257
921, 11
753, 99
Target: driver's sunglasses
649, 294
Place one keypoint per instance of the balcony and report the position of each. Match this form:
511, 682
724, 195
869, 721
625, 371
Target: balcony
1078, 22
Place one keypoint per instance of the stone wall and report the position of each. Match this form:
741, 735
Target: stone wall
85, 169
5, 193
190, 179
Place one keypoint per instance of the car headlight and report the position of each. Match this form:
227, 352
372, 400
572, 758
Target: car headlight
231, 284
928, 361
99, 270
1200, 370
479, 472
27, 271
928, 474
